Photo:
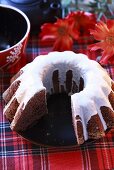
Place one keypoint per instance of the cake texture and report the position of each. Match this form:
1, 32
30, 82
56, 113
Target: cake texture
89, 85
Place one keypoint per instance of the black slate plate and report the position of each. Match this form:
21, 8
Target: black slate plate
54, 129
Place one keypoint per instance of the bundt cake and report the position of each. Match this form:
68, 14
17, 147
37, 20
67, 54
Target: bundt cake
88, 84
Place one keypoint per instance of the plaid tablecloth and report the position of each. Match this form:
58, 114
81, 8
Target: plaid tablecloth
17, 153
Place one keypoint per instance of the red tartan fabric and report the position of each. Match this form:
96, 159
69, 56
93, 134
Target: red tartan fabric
17, 153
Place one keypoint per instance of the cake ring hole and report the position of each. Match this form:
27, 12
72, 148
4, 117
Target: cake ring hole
62, 78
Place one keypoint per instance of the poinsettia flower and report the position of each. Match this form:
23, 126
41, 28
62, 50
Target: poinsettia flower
104, 33
82, 21
61, 32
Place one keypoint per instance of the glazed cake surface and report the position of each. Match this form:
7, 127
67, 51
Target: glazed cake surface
88, 84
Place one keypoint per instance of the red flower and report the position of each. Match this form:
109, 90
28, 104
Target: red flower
61, 32
104, 32
82, 21
64, 31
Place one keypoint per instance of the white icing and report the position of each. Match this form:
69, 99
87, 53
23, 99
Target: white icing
96, 83
35, 70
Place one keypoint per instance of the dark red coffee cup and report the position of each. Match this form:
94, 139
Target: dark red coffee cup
14, 33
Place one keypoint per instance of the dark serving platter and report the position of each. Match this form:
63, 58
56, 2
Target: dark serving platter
56, 128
